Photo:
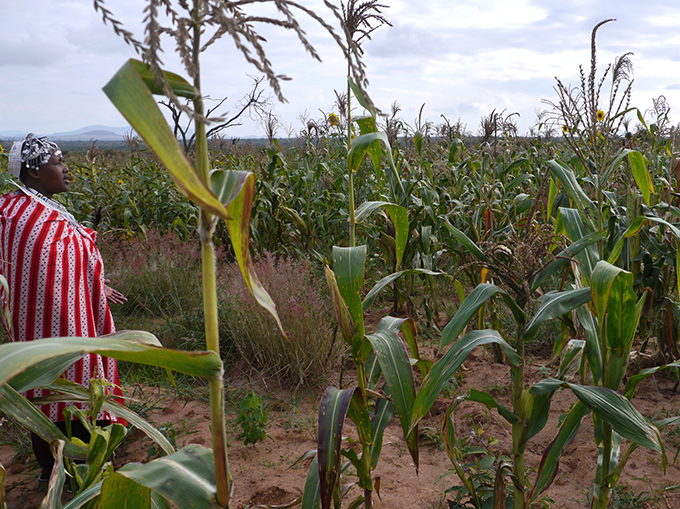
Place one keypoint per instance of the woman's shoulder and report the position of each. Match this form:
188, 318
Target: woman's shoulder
17, 204
13, 199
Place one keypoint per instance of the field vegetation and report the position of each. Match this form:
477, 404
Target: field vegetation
566, 238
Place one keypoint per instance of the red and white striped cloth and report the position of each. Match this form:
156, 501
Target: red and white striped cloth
55, 275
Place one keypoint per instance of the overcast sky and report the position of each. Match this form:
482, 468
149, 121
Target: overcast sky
460, 59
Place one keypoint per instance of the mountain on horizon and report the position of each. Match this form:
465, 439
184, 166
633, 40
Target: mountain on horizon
91, 132
98, 132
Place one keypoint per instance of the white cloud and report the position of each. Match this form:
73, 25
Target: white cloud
459, 58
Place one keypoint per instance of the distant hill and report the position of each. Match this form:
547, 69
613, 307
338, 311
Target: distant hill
93, 132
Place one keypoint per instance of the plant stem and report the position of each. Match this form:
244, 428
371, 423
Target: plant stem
206, 227
519, 429
365, 448
352, 229
602, 501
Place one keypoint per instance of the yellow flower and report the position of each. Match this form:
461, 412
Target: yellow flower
565, 129
600, 115
333, 119
120, 182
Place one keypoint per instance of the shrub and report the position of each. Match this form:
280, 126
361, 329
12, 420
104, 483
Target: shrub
310, 349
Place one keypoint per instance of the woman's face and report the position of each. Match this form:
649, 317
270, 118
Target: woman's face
54, 176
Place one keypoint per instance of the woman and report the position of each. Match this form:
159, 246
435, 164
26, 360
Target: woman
55, 274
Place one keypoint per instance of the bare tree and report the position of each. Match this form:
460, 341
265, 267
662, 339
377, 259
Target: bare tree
253, 105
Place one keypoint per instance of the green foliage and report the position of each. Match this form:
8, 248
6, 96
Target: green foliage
253, 419
128, 195
481, 470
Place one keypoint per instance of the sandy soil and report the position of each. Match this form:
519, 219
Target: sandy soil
264, 474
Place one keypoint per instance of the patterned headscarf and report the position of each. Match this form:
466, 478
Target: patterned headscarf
32, 153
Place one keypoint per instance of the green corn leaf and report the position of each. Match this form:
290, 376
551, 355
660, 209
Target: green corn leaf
366, 143
398, 376
129, 92
236, 190
552, 194
633, 381
488, 401
408, 328
556, 304
445, 368
133, 346
519, 179
367, 124
546, 386
466, 242
594, 348
571, 354
179, 85
588, 257
384, 409
602, 281
363, 100
618, 412
418, 141
632, 230
358, 413
93, 492
456, 145
563, 259
623, 315
332, 412
21, 410
311, 496
186, 478
547, 469
382, 284
467, 310
399, 217
365, 481
568, 180
348, 266
117, 491
641, 174
48, 367
76, 392
540, 411
622, 319
341, 312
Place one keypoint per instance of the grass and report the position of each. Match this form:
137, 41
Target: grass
310, 351
16, 436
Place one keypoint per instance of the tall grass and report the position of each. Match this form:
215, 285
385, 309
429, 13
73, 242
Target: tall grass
310, 349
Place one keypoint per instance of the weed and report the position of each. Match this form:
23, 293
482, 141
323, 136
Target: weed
310, 348
432, 435
624, 497
18, 438
159, 273
253, 419
481, 471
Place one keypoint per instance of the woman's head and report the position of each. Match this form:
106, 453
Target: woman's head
39, 163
